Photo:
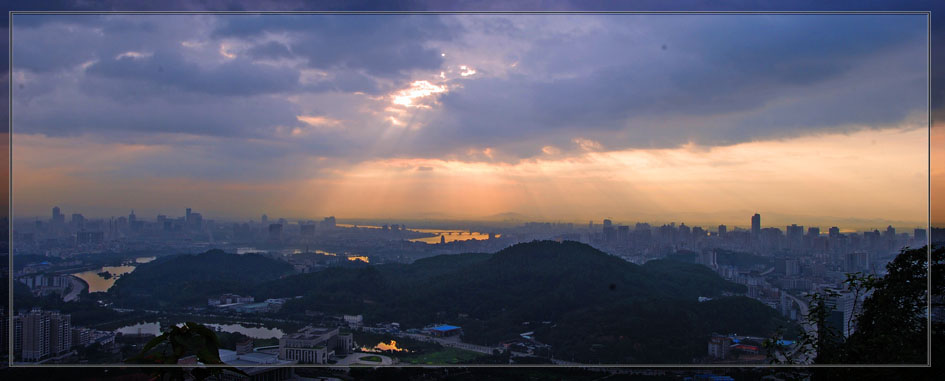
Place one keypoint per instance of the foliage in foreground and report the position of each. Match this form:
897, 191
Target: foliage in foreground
180, 343
892, 326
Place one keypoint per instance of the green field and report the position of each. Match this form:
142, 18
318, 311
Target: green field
370, 358
444, 356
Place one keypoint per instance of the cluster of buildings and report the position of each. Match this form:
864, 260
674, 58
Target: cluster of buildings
652, 241
228, 300
40, 335
78, 235
742, 349
46, 284
245, 304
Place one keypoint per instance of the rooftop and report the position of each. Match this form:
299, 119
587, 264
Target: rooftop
309, 333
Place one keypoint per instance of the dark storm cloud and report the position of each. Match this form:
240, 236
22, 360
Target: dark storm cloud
383, 45
107, 117
236, 77
720, 66
270, 50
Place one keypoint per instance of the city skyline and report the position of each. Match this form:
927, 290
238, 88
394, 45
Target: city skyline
470, 117
59, 216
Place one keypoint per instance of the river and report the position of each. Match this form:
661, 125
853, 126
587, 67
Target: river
99, 284
253, 331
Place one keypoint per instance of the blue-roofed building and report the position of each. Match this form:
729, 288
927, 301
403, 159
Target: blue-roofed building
446, 330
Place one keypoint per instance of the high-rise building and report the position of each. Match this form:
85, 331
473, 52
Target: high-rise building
307, 229
60, 333
608, 231
813, 232
329, 222
35, 335
890, 232
57, 217
78, 221
623, 235
196, 221
264, 220
756, 225
38, 334
722, 230
187, 216
17, 336
795, 236
81, 336
5, 329
275, 232
834, 232
919, 237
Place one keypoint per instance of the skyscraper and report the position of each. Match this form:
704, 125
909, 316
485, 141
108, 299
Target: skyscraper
834, 232
39, 334
920, 237
57, 217
795, 236
35, 335
756, 225
275, 232
60, 333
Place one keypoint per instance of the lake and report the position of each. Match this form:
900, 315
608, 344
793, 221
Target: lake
253, 331
99, 284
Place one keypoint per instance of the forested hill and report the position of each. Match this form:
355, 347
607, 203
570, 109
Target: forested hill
188, 279
569, 284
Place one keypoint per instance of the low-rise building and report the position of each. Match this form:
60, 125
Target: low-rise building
311, 345
81, 336
229, 299
445, 330
719, 346
258, 366
353, 321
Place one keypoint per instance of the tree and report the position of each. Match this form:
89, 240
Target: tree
190, 339
891, 328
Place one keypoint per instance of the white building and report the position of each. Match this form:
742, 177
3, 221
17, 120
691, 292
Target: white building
310, 345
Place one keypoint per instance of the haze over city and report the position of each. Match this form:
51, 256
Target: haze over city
565, 118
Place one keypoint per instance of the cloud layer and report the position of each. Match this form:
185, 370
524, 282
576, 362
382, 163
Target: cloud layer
250, 98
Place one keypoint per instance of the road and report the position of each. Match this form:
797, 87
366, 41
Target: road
355, 359
75, 288
809, 328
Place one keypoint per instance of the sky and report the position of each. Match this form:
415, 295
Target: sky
813, 119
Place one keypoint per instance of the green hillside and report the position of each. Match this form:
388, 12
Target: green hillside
591, 299
187, 280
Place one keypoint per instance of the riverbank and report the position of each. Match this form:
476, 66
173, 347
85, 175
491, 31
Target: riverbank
76, 287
